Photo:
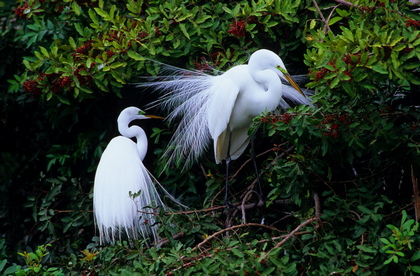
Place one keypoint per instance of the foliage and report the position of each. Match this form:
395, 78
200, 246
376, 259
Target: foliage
400, 243
33, 264
113, 46
338, 175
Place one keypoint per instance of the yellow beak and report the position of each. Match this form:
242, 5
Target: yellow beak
293, 83
154, 117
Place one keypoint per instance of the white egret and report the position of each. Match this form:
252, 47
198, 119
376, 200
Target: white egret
121, 171
221, 108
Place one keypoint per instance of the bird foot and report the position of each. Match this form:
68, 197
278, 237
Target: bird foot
230, 207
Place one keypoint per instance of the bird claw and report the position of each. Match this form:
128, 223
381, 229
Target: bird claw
230, 207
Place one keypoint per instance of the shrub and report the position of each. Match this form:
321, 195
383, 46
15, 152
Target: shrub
337, 174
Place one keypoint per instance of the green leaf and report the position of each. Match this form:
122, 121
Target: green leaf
237, 252
367, 249
395, 41
415, 268
342, 13
135, 55
379, 69
312, 24
417, 42
44, 52
324, 147
117, 64
415, 256
227, 10
79, 29
93, 17
102, 13
385, 241
395, 259
2, 264
334, 20
268, 271
399, 253
76, 8
184, 30
347, 33
335, 82
27, 64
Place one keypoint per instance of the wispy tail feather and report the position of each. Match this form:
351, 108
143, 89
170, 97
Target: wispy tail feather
184, 96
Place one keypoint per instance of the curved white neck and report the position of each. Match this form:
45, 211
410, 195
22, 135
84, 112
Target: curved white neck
138, 132
270, 81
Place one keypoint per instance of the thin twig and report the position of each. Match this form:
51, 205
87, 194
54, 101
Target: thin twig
215, 208
282, 237
346, 3
291, 234
281, 155
283, 218
165, 241
243, 166
230, 229
326, 27
243, 204
217, 195
250, 159
327, 23
390, 215
415, 182
71, 211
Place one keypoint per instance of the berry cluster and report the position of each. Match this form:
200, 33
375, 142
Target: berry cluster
203, 65
109, 53
237, 28
20, 11
48, 6
82, 75
31, 86
286, 118
332, 123
412, 23
56, 82
84, 49
273, 119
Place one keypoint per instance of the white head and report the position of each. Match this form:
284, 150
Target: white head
264, 59
127, 115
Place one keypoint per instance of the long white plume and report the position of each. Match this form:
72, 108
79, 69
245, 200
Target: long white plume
185, 95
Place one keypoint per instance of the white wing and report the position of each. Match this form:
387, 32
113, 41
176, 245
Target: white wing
119, 172
221, 104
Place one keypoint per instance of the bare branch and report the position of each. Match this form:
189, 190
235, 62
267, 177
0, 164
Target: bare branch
233, 228
346, 3
243, 204
291, 234
165, 241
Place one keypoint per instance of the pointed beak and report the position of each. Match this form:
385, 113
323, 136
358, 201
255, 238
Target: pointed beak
293, 83
154, 117
289, 79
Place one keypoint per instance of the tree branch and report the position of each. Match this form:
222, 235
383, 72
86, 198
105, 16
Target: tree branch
233, 228
291, 234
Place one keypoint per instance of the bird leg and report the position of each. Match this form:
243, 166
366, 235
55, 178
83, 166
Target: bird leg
228, 204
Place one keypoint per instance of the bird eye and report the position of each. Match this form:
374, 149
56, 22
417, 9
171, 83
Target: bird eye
281, 69
141, 112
